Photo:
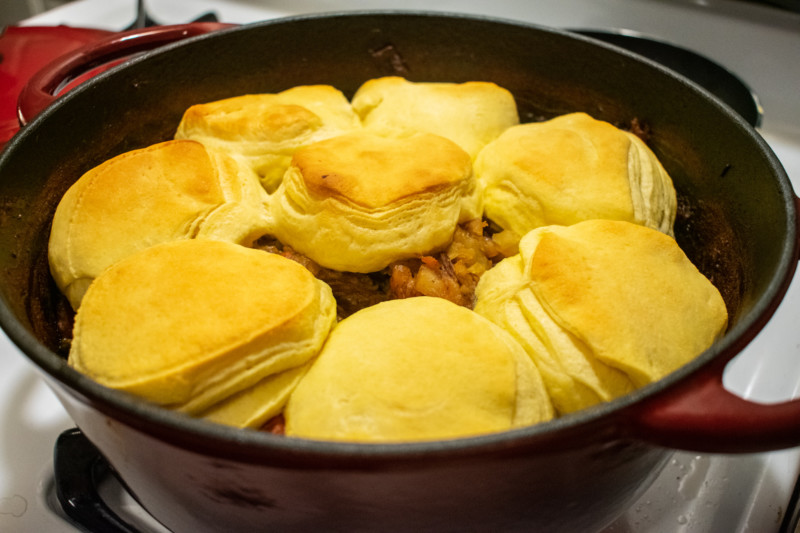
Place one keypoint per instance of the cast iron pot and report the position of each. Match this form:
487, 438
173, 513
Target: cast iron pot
737, 221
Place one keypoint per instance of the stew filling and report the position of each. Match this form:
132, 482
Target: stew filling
452, 273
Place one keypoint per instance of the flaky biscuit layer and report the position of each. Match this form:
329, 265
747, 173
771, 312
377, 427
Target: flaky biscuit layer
416, 369
573, 168
189, 323
602, 307
266, 129
359, 202
169, 191
470, 114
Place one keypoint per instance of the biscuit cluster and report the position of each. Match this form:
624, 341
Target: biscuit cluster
158, 252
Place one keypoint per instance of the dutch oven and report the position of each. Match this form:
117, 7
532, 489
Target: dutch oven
737, 221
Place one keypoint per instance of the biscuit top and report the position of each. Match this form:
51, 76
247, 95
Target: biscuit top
573, 168
373, 171
267, 128
160, 188
291, 116
167, 191
602, 307
359, 202
416, 369
470, 114
251, 117
194, 317
629, 293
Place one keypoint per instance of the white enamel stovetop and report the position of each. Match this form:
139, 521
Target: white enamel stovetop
695, 493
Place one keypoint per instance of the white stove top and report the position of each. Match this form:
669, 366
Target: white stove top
695, 493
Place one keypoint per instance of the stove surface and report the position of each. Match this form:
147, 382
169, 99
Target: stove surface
695, 493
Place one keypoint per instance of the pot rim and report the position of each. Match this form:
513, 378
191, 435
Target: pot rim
207, 437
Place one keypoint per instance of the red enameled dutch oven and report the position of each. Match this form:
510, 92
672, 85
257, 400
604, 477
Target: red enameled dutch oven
737, 221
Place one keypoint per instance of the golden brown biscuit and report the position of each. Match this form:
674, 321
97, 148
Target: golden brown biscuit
602, 307
470, 114
416, 369
359, 201
188, 324
255, 406
267, 128
169, 191
573, 168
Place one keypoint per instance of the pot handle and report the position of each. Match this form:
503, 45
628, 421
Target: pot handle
699, 414
43, 87
702, 416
